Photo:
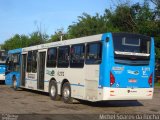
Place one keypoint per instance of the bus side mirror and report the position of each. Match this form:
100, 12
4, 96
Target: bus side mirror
107, 39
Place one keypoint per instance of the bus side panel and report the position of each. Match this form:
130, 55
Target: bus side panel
152, 61
91, 82
9, 78
2, 72
105, 65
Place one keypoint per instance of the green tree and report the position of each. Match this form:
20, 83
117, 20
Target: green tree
17, 41
89, 25
59, 34
135, 18
20, 41
37, 38
122, 19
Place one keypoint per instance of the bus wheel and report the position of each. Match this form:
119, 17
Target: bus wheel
53, 92
14, 83
66, 93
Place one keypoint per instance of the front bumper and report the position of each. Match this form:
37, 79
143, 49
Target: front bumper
2, 77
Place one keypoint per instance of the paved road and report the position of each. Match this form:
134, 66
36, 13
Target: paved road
30, 102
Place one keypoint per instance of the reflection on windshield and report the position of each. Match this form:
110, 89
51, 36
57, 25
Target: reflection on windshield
135, 44
131, 53
131, 47
13, 62
2, 56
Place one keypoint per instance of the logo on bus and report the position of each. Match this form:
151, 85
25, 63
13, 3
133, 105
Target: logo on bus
131, 91
51, 73
133, 72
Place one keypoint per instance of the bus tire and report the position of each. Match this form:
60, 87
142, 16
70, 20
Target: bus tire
14, 83
53, 91
66, 93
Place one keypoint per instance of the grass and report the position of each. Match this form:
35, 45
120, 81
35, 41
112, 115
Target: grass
157, 84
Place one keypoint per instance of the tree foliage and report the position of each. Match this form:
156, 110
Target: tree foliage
17, 41
57, 36
135, 18
37, 38
90, 25
20, 41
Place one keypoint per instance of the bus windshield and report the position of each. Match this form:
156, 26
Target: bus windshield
129, 47
2, 56
13, 62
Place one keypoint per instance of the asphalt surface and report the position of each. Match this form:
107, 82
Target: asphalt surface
38, 104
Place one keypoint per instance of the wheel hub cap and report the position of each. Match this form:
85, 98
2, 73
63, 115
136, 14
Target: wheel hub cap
53, 91
66, 93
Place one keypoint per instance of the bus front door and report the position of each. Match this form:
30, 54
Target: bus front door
41, 70
23, 70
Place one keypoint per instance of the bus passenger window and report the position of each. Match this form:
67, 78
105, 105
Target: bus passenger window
51, 57
34, 61
77, 56
63, 57
29, 61
94, 53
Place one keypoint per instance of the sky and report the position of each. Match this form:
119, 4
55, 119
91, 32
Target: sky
27, 16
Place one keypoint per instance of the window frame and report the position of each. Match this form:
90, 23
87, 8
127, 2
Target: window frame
34, 61
31, 62
77, 65
63, 65
93, 62
47, 64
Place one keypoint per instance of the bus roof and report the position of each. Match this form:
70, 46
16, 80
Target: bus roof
65, 42
19, 50
130, 34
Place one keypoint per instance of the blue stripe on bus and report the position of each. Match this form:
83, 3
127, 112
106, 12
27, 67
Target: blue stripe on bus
36, 80
46, 81
30, 80
77, 85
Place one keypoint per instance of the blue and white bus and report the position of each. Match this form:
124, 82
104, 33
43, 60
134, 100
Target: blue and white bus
109, 66
13, 63
2, 64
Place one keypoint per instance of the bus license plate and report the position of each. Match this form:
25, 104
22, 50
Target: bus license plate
132, 80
